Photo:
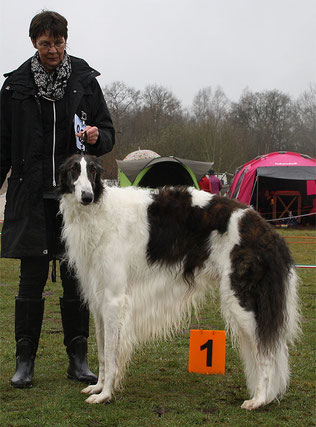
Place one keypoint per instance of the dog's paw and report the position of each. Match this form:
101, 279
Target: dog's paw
92, 389
98, 398
252, 404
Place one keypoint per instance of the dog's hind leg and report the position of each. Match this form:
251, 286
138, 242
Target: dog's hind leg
266, 369
267, 373
99, 330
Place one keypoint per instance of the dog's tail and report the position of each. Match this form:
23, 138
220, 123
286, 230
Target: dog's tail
265, 282
263, 314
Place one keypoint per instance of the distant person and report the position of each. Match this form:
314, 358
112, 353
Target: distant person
204, 184
41, 103
215, 183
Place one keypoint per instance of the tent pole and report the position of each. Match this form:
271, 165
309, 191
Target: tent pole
257, 202
252, 193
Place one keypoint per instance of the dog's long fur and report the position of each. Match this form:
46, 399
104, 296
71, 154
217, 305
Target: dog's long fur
145, 257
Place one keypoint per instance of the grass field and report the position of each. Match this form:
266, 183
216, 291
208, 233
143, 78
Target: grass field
159, 390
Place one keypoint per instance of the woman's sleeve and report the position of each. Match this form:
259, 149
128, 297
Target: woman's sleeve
103, 121
5, 133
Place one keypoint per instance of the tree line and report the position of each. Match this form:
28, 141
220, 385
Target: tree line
213, 128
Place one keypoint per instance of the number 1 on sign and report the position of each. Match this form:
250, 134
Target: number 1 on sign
209, 347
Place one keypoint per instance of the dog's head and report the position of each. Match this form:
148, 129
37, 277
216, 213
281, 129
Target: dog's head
81, 176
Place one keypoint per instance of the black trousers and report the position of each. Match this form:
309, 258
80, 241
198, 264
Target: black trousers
34, 270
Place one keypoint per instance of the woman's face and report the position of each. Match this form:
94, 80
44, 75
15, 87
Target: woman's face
51, 50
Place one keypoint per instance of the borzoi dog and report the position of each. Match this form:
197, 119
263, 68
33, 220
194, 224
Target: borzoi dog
145, 257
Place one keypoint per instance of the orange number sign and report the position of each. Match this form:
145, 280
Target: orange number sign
207, 351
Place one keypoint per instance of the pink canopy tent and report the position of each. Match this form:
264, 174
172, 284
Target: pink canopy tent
282, 170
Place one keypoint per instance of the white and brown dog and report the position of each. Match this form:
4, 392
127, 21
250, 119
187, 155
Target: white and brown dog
145, 257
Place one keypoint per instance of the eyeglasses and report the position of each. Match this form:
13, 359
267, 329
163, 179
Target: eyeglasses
47, 46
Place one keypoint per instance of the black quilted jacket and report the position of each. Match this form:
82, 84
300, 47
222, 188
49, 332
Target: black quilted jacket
23, 148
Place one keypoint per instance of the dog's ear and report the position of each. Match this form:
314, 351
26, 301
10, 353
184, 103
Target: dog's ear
98, 187
63, 179
61, 171
101, 172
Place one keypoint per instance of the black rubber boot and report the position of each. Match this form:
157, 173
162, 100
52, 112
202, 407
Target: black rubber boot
28, 323
25, 355
75, 319
78, 368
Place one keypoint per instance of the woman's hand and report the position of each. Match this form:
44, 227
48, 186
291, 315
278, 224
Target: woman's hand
92, 134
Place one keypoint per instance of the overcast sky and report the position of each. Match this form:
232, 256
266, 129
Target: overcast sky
183, 45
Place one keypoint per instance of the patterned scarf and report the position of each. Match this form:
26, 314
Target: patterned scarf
52, 86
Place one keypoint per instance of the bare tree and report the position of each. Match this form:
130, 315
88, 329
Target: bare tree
160, 111
209, 105
305, 126
210, 112
123, 103
160, 101
267, 118
121, 100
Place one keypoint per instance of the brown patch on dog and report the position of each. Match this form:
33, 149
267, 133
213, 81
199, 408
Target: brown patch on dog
179, 232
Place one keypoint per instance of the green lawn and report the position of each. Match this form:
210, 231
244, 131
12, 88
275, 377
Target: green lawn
159, 390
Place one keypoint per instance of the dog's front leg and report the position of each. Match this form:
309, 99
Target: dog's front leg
99, 331
110, 316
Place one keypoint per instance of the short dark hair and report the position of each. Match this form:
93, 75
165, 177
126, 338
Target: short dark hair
211, 172
52, 22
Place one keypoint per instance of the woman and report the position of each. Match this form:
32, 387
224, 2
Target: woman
215, 183
40, 102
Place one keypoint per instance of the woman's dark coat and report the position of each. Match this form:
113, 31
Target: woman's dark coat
21, 148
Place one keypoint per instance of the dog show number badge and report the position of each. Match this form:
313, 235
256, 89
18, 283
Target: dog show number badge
80, 125
207, 351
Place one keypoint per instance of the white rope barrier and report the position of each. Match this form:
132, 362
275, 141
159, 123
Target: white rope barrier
290, 217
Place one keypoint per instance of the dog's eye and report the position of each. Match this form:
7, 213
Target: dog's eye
75, 168
93, 169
